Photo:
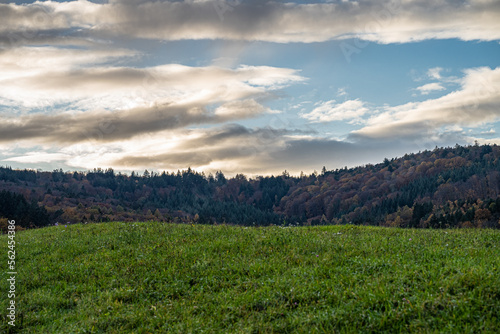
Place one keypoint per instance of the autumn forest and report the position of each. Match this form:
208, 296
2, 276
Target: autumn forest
442, 188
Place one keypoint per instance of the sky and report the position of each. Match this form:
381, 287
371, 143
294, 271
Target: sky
252, 87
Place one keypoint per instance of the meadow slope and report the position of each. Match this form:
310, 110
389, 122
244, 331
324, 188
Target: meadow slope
159, 277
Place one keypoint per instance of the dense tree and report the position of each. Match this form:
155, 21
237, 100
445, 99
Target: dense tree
445, 187
15, 207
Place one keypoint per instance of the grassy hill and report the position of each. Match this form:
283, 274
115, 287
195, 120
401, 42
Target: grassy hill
159, 277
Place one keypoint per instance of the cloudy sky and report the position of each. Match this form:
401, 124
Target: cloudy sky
253, 87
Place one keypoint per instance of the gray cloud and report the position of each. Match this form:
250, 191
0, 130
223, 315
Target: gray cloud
232, 148
114, 126
10, 39
42, 22
232, 145
238, 149
246, 140
238, 152
381, 21
308, 154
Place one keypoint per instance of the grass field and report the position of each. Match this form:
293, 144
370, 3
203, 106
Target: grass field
158, 277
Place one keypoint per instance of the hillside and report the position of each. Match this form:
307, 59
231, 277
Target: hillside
180, 278
445, 187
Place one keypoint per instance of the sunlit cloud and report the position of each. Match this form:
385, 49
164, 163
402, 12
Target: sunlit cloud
380, 21
329, 111
37, 77
477, 102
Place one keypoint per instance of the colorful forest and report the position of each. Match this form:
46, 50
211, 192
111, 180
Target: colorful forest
443, 188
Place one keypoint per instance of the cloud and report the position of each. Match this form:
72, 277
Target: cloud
379, 21
430, 87
35, 17
39, 157
109, 103
313, 153
38, 77
232, 148
33, 63
69, 86
435, 73
237, 149
341, 92
332, 111
477, 102
107, 126
228, 147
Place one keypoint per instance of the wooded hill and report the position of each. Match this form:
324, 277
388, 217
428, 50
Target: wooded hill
445, 187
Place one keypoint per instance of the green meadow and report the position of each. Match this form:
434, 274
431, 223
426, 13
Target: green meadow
173, 278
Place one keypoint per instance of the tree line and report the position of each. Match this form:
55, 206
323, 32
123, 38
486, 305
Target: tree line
445, 187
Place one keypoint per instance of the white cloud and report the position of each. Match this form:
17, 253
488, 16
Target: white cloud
341, 92
41, 77
332, 111
477, 102
23, 62
435, 73
38, 157
430, 87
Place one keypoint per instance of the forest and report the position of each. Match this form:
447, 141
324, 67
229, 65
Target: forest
441, 188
